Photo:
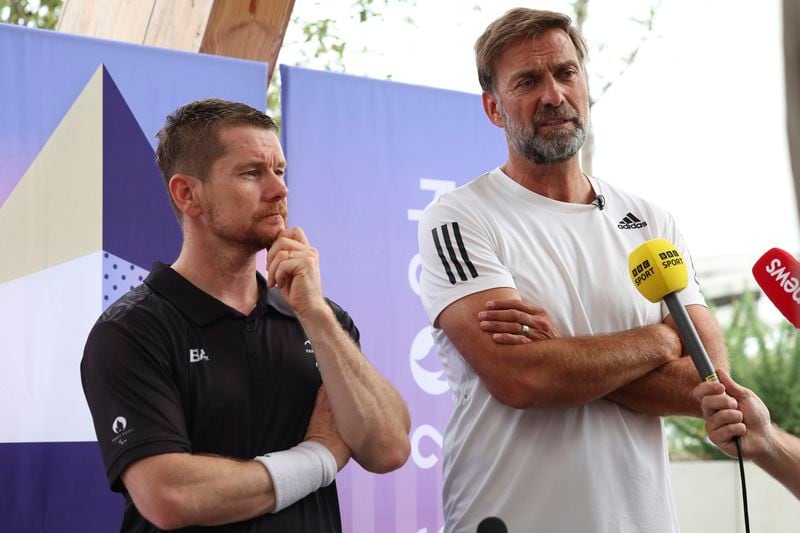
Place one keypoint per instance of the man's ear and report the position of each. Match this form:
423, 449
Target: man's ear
492, 109
186, 191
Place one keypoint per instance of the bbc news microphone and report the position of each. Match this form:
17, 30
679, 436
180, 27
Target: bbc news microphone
778, 275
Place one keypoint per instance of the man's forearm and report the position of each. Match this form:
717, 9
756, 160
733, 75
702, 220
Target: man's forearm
783, 460
574, 371
179, 489
551, 371
566, 372
667, 390
371, 417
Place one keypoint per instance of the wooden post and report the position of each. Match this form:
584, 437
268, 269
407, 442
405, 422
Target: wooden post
791, 42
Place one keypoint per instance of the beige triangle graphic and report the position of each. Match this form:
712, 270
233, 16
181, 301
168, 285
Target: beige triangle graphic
54, 214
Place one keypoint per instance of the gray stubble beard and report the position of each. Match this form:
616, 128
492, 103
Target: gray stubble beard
562, 146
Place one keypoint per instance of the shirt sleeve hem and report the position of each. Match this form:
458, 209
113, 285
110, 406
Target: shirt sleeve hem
461, 290
140, 451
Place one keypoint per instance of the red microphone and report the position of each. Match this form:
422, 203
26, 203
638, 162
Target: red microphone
778, 275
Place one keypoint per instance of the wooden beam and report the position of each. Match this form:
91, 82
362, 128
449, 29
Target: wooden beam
178, 24
121, 20
247, 29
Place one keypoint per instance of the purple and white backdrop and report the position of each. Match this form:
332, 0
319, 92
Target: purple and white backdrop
364, 159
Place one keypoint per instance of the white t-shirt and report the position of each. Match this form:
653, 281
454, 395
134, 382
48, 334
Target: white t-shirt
596, 468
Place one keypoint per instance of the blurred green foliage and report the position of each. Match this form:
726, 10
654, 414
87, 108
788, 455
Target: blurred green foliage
32, 13
324, 46
764, 358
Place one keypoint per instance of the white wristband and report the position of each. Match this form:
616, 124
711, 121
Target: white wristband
299, 471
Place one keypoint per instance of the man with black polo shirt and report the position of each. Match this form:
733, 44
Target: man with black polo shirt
206, 382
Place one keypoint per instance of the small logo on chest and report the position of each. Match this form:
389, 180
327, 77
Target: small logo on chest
197, 354
310, 351
630, 221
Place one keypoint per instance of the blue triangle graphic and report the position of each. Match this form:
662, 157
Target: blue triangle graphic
138, 223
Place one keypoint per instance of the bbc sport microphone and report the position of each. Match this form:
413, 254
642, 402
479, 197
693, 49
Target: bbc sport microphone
658, 271
778, 275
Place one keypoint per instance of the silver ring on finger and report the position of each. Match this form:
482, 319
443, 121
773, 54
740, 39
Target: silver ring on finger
525, 330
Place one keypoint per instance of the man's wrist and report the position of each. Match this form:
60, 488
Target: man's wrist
299, 471
773, 448
669, 341
318, 313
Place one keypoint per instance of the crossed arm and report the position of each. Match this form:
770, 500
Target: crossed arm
359, 413
198, 490
668, 389
641, 369
371, 416
175, 490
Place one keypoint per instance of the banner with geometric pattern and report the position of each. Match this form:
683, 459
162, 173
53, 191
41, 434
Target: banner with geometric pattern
83, 215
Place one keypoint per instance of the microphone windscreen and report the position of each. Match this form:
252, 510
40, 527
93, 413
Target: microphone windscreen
492, 524
657, 268
778, 275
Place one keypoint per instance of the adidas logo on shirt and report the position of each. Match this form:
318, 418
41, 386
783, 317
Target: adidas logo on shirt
631, 222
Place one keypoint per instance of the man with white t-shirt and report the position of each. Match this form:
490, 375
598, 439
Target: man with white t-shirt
559, 368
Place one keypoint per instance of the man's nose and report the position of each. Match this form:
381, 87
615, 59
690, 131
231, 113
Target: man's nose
552, 92
276, 187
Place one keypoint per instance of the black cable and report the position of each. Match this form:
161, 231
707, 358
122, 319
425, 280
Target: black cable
744, 485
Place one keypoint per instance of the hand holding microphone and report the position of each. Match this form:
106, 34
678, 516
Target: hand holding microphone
731, 410
747, 423
735, 411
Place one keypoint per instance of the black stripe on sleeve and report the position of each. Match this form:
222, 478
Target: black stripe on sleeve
452, 253
439, 250
463, 250
633, 217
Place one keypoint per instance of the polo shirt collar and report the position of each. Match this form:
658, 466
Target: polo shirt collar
201, 307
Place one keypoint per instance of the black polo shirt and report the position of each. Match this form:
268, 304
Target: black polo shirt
169, 368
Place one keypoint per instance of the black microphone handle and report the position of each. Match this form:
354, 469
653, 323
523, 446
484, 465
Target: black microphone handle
704, 367
690, 338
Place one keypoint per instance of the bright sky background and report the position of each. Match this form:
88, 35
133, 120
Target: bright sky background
696, 124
